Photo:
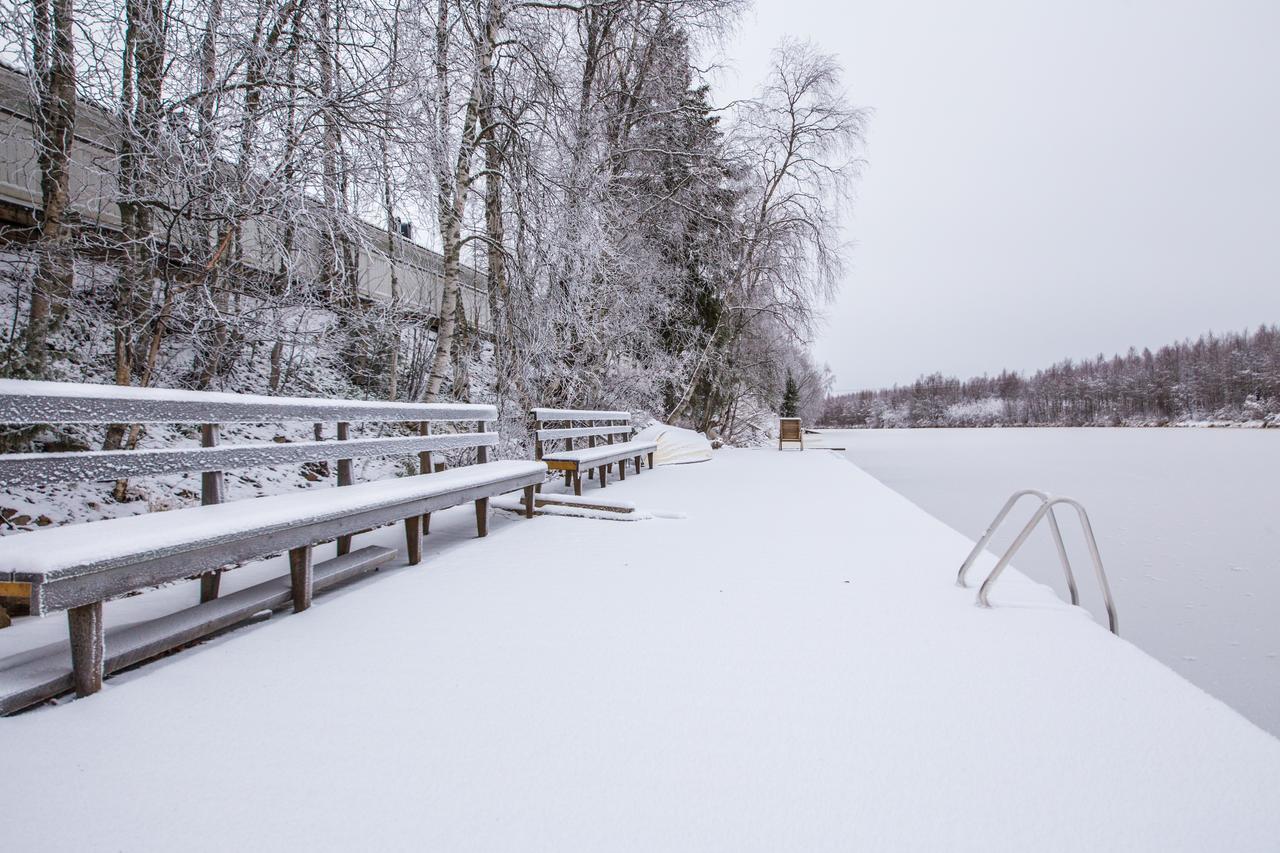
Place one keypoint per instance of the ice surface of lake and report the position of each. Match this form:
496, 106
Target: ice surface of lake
1187, 520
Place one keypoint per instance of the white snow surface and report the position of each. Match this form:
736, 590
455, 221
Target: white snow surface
676, 445
789, 667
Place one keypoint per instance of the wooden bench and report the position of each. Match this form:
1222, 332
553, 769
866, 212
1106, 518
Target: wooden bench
77, 567
789, 432
608, 436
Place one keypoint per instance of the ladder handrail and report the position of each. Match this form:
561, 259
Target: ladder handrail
999, 519
1047, 503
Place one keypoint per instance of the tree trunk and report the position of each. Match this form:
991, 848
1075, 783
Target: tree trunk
389, 204
452, 199
54, 61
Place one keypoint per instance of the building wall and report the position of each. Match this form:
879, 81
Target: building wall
93, 193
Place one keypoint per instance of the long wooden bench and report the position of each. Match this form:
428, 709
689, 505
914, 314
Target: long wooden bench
77, 567
609, 441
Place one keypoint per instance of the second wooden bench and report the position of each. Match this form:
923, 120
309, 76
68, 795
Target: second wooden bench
609, 441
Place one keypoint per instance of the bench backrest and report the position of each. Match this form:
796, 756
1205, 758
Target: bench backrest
789, 429
30, 403
567, 425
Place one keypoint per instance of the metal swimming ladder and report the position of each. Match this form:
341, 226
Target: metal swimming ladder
1047, 503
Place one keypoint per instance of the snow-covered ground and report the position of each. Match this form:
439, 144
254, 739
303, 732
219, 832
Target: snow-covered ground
777, 660
1188, 522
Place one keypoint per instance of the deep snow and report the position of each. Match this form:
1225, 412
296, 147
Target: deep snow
788, 666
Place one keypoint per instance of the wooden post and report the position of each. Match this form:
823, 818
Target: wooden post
413, 539
568, 445
345, 478
300, 576
528, 501
212, 490
482, 505
88, 648
482, 452
537, 447
424, 467
591, 442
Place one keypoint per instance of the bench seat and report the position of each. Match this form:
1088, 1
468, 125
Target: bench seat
587, 457
77, 564
599, 460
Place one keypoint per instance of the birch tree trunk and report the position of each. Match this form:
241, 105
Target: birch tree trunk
453, 189
53, 54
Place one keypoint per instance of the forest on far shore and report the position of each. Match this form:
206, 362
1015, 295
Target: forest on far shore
1232, 377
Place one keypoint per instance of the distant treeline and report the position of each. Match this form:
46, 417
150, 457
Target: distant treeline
1232, 377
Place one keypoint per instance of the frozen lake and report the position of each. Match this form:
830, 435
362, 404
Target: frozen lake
1187, 520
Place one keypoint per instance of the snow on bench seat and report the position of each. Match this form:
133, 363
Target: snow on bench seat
602, 453
48, 556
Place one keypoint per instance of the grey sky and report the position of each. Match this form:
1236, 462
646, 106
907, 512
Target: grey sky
1045, 180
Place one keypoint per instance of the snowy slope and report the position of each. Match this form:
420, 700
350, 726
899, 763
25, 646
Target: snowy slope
787, 667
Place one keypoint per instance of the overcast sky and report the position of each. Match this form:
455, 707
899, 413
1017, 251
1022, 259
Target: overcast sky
1045, 180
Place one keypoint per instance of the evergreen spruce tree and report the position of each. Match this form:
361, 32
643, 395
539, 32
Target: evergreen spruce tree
790, 398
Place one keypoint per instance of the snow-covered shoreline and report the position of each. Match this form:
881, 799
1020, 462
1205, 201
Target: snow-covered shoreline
779, 659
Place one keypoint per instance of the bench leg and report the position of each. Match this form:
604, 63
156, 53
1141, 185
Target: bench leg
637, 461
601, 472
482, 517
88, 648
622, 470
566, 479
591, 473
300, 576
528, 501
426, 523
209, 586
577, 482
344, 545
413, 539
650, 461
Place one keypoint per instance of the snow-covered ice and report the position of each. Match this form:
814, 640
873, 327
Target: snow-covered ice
788, 667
